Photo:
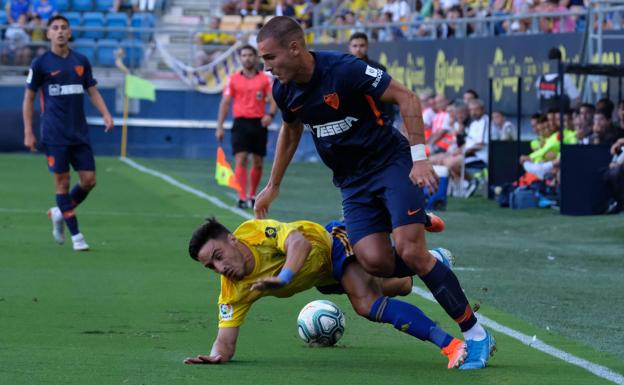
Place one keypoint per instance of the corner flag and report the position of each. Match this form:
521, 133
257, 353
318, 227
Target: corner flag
223, 172
138, 88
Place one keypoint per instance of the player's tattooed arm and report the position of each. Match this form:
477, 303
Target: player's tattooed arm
222, 349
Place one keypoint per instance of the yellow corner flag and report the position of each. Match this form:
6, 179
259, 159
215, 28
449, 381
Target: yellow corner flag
138, 88
223, 173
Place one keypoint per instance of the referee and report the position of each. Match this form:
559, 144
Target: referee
250, 89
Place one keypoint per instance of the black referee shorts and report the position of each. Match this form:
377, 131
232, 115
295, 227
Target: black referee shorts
248, 135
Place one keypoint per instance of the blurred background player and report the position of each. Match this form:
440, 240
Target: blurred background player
250, 90
63, 75
266, 257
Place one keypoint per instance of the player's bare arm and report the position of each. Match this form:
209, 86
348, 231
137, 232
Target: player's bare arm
287, 142
422, 173
28, 108
268, 118
98, 102
297, 250
222, 349
224, 107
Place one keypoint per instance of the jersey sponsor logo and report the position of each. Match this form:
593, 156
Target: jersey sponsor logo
270, 232
375, 73
332, 128
226, 311
68, 89
332, 100
30, 75
79, 70
54, 73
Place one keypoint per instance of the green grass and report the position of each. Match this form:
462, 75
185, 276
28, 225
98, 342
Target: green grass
131, 309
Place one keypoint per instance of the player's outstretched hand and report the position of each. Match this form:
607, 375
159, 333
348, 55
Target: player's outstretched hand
202, 360
423, 175
108, 123
263, 201
30, 141
267, 283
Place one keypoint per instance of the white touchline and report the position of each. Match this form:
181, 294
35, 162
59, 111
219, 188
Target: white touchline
535, 343
106, 213
596, 369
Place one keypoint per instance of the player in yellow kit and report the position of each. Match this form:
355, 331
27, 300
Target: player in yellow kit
271, 258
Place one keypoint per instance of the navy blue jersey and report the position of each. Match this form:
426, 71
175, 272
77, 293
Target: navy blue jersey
338, 106
63, 82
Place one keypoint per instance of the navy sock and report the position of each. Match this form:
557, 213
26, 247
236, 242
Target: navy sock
408, 319
400, 268
445, 287
78, 194
64, 203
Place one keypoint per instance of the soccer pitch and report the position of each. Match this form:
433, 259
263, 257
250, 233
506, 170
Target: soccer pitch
131, 309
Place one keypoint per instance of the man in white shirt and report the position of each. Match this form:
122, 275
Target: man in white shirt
548, 88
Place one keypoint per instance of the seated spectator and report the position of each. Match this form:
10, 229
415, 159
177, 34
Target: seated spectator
441, 137
585, 123
255, 7
502, 129
469, 95
536, 126
398, 9
213, 36
16, 8
388, 33
427, 103
127, 6
37, 34
16, 50
603, 131
461, 123
44, 9
284, 8
614, 177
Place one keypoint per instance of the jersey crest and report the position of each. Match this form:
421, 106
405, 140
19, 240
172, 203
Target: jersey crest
79, 70
332, 100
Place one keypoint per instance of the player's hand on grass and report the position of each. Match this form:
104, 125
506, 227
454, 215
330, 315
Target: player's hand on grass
263, 201
30, 141
423, 175
203, 360
267, 283
108, 123
219, 134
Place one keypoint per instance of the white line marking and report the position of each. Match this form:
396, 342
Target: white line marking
596, 369
536, 343
104, 213
215, 201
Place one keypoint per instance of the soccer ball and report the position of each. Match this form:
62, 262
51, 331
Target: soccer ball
321, 323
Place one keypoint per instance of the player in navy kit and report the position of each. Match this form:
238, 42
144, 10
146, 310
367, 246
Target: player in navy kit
334, 96
63, 76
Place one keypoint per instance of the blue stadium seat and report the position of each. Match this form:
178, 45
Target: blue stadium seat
134, 52
3, 17
117, 19
86, 47
103, 5
105, 53
62, 5
75, 20
142, 20
93, 19
82, 5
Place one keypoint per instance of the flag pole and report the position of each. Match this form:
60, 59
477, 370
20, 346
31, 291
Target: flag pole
119, 55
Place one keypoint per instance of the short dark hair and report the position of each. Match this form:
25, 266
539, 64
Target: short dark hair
589, 106
212, 229
604, 112
536, 116
57, 17
554, 54
358, 35
607, 105
284, 29
472, 92
249, 47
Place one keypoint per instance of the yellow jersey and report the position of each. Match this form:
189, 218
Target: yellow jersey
266, 239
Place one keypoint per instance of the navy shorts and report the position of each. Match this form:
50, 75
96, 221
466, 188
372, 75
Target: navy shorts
384, 201
341, 255
80, 156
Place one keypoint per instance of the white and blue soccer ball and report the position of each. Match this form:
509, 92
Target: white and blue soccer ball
321, 323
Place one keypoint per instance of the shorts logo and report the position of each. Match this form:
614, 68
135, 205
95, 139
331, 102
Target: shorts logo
270, 232
226, 311
51, 161
375, 73
332, 100
79, 70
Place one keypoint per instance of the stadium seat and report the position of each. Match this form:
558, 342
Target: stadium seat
3, 18
250, 23
230, 22
93, 19
105, 53
75, 20
86, 47
142, 20
103, 5
62, 5
116, 20
134, 52
82, 5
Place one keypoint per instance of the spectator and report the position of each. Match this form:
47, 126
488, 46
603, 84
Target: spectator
536, 120
44, 9
461, 123
615, 177
548, 89
586, 122
606, 105
37, 35
284, 8
603, 131
470, 95
16, 50
16, 8
441, 138
502, 129
399, 10
147, 5
204, 53
427, 103
128, 6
